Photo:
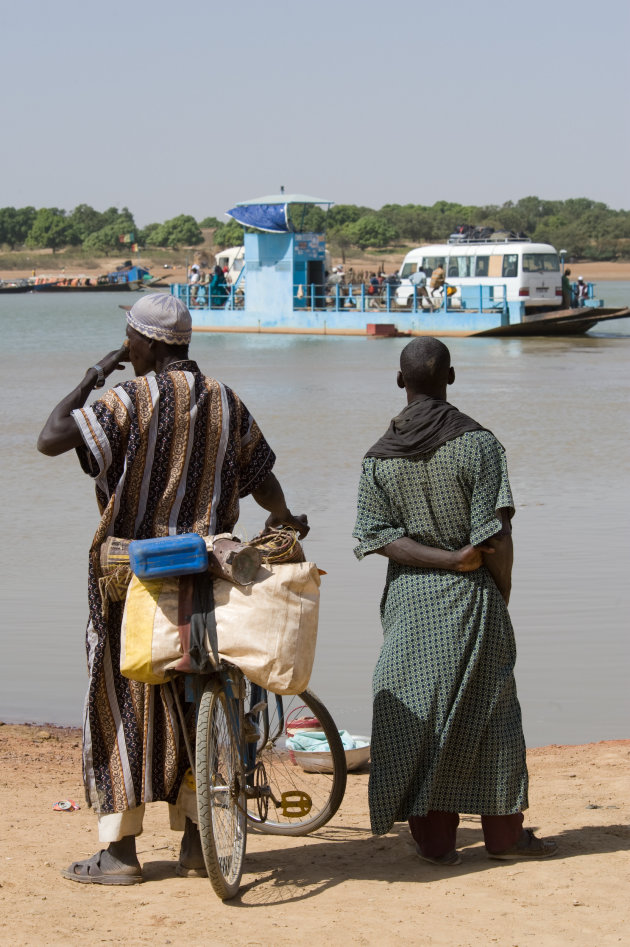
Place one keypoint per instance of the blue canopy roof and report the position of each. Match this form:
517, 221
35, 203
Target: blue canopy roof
285, 199
270, 213
270, 217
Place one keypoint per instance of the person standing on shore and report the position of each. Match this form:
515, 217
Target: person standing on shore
171, 451
434, 498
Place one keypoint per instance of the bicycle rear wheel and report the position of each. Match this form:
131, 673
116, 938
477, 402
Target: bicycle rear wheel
324, 789
221, 789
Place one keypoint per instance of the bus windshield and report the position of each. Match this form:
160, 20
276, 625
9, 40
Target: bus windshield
540, 263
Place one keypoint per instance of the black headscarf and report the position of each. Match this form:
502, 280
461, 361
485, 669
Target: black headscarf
421, 427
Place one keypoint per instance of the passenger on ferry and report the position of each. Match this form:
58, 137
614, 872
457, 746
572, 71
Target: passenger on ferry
438, 278
582, 291
374, 290
194, 279
568, 300
334, 280
419, 280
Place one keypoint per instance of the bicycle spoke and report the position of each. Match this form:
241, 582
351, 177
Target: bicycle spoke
299, 801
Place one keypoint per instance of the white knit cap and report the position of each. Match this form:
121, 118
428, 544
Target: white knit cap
163, 317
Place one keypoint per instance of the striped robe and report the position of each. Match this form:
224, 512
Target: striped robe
170, 453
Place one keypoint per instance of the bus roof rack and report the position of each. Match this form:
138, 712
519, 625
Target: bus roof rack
469, 234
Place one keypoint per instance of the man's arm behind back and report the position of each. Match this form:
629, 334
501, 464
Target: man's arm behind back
499, 562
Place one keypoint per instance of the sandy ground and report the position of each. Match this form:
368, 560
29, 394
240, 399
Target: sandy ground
340, 886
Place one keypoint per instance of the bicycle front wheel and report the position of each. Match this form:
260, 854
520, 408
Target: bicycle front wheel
316, 795
221, 789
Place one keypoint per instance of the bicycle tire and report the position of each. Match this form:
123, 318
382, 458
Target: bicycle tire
220, 791
326, 790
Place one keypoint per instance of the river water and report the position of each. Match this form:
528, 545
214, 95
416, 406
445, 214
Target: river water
560, 406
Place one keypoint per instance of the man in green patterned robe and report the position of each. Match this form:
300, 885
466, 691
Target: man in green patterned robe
435, 499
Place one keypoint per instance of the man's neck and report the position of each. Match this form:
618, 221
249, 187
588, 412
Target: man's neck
437, 395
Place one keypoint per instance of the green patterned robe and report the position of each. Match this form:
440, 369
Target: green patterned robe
446, 731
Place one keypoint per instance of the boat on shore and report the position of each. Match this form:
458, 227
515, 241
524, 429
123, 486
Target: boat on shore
125, 278
505, 287
15, 286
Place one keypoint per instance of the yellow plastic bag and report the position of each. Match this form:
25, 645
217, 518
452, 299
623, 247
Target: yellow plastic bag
157, 612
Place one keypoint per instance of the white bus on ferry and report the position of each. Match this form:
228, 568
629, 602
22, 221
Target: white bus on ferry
529, 272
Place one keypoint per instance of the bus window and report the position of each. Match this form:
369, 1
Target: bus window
482, 265
430, 263
510, 264
540, 263
407, 270
459, 266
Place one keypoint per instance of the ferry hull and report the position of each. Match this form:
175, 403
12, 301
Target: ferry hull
455, 323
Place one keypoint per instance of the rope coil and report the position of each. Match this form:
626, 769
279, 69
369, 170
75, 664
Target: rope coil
279, 545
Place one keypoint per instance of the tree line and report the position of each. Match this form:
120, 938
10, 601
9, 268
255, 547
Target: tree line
586, 229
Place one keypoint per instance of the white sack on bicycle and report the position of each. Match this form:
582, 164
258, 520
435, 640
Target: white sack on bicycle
269, 629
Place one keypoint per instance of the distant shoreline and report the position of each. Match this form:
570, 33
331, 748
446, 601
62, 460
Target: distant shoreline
56, 265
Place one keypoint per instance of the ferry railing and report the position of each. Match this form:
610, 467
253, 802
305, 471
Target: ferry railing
352, 296
198, 296
349, 297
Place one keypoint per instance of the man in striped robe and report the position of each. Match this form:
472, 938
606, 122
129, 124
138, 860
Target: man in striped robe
171, 451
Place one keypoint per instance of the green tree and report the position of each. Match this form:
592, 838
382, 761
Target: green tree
114, 216
86, 220
340, 240
15, 225
342, 214
229, 235
104, 241
209, 222
179, 231
306, 218
146, 235
52, 229
371, 231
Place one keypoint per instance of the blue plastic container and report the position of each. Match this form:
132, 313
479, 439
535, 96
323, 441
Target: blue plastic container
168, 556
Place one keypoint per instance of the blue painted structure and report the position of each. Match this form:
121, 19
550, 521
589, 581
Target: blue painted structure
128, 274
285, 292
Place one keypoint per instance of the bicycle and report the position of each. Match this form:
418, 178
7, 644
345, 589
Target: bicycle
244, 771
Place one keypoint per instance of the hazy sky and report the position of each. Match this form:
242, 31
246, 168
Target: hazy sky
174, 108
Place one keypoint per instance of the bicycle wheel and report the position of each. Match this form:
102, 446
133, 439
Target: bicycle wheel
221, 789
283, 775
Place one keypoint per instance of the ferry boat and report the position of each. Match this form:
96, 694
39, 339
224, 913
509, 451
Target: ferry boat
497, 287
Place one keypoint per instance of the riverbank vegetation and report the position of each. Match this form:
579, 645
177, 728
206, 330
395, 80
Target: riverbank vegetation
587, 230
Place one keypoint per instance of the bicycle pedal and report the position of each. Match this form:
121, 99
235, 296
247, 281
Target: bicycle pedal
295, 804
